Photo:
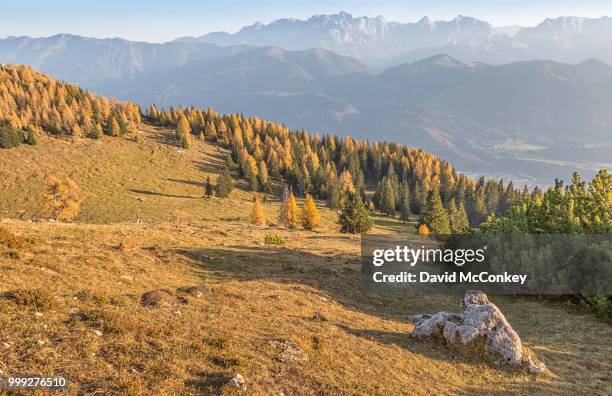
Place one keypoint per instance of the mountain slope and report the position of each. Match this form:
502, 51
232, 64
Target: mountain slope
90, 61
482, 117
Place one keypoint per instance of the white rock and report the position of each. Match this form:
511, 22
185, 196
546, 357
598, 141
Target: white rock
237, 381
5, 345
97, 332
38, 314
481, 318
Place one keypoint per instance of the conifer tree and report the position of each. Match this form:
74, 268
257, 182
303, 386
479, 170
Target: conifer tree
208, 189
225, 184
310, 214
404, 203
459, 223
257, 214
353, 217
387, 203
434, 215
62, 199
183, 132
113, 127
30, 137
290, 216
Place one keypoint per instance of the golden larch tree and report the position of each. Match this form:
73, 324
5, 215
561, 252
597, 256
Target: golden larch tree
310, 214
62, 199
257, 214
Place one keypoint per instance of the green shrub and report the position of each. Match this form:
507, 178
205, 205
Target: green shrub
9, 137
274, 239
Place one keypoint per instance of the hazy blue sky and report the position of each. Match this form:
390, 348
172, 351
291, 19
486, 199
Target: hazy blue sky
153, 20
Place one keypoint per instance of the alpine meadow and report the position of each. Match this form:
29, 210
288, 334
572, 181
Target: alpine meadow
153, 245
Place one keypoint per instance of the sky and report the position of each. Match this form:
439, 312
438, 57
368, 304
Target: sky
160, 21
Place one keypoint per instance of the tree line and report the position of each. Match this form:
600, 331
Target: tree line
407, 181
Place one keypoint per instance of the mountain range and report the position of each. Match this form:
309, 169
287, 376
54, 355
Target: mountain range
381, 44
531, 120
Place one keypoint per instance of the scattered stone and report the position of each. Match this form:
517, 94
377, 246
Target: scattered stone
193, 291
49, 271
5, 345
319, 316
177, 312
536, 369
38, 314
158, 298
324, 299
97, 332
41, 342
289, 351
481, 319
237, 381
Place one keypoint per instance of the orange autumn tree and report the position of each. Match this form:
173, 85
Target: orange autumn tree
310, 214
257, 214
62, 199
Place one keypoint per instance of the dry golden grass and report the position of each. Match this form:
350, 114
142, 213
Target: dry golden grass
93, 277
87, 281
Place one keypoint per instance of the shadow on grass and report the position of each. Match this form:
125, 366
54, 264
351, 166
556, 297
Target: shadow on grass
158, 194
209, 383
188, 182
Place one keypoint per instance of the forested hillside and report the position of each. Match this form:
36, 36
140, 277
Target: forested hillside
391, 176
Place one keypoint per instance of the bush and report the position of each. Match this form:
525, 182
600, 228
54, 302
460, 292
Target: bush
9, 137
274, 239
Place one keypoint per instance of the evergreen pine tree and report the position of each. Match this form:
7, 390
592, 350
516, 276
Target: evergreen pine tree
387, 204
225, 184
404, 202
208, 189
458, 219
434, 215
353, 216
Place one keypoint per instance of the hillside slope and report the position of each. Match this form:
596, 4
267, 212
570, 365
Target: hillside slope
86, 282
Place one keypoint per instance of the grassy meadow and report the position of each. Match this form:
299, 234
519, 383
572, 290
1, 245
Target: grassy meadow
72, 294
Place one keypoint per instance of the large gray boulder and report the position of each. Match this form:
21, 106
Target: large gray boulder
480, 319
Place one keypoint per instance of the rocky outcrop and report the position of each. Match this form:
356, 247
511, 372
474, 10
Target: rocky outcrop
480, 319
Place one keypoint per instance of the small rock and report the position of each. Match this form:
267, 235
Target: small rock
158, 298
97, 332
289, 351
536, 369
49, 271
177, 312
193, 291
41, 342
237, 381
5, 345
38, 314
324, 299
319, 316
